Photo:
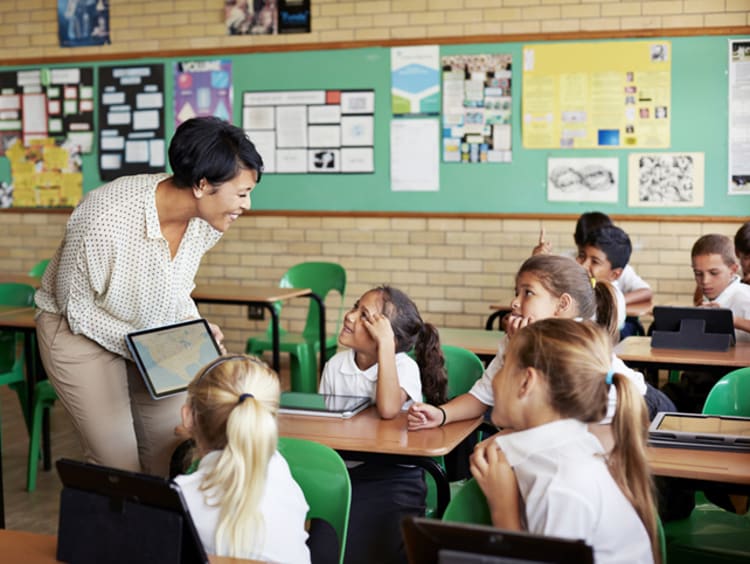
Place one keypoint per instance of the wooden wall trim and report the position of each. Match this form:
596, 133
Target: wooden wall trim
442, 215
333, 45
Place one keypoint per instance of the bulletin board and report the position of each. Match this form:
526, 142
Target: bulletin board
698, 123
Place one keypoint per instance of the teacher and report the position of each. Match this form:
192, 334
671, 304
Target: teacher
127, 262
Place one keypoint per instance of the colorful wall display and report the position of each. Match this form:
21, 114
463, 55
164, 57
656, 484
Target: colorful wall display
264, 17
83, 22
476, 108
131, 120
202, 88
415, 80
47, 102
597, 95
319, 131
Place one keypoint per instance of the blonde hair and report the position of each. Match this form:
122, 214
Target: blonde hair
575, 358
235, 400
562, 275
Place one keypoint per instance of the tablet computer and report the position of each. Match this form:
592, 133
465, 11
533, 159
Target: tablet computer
170, 356
430, 541
112, 515
323, 405
692, 328
695, 430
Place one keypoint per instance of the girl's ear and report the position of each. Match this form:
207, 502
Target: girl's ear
529, 380
188, 421
564, 305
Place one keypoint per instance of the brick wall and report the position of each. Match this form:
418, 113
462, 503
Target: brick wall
453, 268
28, 28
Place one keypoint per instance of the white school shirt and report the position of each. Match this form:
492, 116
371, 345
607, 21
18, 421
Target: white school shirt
282, 506
569, 492
629, 281
622, 311
113, 272
342, 377
482, 388
736, 296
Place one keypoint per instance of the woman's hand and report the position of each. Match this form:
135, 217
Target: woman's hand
497, 480
218, 337
423, 416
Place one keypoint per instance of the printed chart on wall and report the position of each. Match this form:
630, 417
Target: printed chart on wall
739, 117
318, 131
202, 88
597, 95
41, 103
131, 120
476, 108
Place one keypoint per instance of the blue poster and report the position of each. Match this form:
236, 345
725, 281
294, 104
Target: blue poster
202, 88
82, 23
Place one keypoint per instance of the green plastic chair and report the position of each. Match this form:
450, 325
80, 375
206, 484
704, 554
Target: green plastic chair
37, 271
12, 355
710, 534
44, 398
463, 368
324, 479
303, 348
468, 505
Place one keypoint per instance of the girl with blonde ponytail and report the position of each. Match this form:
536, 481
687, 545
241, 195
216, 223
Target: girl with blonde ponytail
547, 473
242, 498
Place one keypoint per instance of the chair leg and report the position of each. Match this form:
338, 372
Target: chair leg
34, 440
304, 370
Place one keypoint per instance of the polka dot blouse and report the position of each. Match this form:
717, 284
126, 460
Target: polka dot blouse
113, 272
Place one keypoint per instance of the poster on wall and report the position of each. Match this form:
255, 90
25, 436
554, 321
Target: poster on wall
477, 108
312, 131
266, 17
131, 120
582, 180
47, 102
45, 173
415, 155
739, 117
604, 95
665, 179
415, 80
202, 88
82, 23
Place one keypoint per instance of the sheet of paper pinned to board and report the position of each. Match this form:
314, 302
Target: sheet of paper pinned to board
415, 155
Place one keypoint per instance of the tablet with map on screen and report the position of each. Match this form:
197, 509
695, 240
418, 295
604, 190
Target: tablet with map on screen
170, 356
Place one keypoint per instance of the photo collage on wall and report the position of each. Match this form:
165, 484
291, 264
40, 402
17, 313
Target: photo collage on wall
131, 120
312, 131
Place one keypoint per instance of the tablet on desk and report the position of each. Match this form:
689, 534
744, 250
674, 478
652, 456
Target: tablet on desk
694, 430
169, 357
323, 405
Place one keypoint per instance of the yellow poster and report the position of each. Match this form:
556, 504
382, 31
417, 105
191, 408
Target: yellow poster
597, 95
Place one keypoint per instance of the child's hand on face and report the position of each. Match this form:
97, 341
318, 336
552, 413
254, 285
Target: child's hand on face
379, 327
516, 322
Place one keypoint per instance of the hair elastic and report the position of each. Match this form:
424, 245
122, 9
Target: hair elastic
608, 378
243, 397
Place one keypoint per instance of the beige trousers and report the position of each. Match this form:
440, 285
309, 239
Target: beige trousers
117, 421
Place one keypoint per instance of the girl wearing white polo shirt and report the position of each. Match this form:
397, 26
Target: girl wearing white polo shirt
242, 498
549, 475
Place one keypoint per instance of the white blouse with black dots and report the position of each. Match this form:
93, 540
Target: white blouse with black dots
113, 272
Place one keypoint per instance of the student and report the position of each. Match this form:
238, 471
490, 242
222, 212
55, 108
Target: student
379, 330
242, 498
605, 253
546, 286
715, 270
555, 380
632, 286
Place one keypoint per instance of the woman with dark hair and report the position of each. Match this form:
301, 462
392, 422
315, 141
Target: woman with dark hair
127, 262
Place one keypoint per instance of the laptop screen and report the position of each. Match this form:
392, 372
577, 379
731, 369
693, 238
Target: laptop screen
169, 357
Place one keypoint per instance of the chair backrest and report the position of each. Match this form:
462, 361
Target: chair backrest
730, 395
468, 505
321, 278
13, 294
37, 271
324, 479
463, 368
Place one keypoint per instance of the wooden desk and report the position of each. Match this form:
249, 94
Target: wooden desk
481, 342
637, 309
637, 353
263, 297
35, 548
732, 469
368, 437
